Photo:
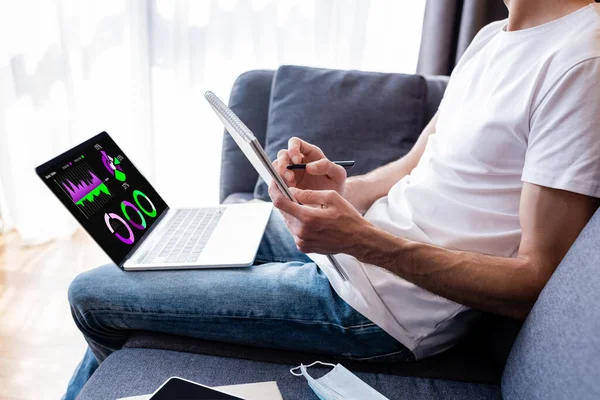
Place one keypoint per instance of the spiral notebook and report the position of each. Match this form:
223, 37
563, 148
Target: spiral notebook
254, 152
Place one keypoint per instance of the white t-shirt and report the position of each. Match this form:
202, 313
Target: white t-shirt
521, 106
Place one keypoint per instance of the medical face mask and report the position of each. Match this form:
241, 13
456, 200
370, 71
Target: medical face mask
338, 384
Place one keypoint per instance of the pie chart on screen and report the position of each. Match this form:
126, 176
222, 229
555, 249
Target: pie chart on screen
113, 166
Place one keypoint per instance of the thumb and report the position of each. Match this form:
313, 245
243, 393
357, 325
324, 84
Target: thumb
306, 196
326, 167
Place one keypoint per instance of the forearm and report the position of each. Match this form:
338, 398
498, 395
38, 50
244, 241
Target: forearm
363, 190
507, 286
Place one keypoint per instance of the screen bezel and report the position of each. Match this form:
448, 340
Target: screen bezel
43, 169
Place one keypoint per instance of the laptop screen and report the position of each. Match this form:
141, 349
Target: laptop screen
106, 193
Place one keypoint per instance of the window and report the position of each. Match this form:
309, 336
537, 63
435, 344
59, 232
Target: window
138, 69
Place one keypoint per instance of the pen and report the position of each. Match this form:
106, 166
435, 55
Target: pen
345, 164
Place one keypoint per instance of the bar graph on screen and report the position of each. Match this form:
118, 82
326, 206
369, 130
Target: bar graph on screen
84, 188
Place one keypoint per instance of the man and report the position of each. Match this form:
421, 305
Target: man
477, 216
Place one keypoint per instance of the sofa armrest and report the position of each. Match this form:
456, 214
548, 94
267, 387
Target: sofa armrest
235, 198
249, 100
557, 352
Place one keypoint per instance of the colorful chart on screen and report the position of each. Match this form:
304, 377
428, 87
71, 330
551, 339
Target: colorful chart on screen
113, 166
111, 199
85, 189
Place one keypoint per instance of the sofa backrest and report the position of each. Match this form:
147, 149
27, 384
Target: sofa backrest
249, 99
436, 86
557, 353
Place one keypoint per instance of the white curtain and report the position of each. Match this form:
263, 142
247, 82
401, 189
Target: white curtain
139, 68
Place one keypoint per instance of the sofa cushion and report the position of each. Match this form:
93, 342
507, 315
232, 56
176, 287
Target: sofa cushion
557, 353
479, 358
369, 117
131, 372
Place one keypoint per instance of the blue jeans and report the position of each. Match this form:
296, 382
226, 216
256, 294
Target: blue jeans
284, 302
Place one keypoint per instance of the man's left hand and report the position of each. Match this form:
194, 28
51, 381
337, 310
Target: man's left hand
323, 223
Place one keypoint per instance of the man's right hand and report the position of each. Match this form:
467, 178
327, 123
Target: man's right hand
320, 173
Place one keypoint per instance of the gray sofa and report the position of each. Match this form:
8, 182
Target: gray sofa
556, 354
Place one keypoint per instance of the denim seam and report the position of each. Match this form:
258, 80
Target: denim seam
273, 260
408, 357
305, 321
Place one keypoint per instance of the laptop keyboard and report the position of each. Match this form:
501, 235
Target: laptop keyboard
185, 237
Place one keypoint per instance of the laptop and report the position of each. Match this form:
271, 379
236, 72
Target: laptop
132, 223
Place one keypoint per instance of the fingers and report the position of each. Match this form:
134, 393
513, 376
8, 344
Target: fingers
299, 150
326, 167
294, 150
310, 226
307, 197
319, 198
283, 160
283, 203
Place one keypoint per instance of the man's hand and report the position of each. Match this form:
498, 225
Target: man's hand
320, 173
323, 223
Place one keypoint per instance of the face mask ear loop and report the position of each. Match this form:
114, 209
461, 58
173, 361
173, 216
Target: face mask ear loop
308, 366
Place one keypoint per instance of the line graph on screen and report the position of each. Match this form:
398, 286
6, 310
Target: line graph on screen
84, 188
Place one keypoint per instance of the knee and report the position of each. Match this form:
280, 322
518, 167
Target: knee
86, 291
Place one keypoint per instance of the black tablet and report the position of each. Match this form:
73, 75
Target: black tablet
180, 389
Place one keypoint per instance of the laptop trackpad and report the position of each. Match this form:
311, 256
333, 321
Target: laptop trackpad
236, 238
